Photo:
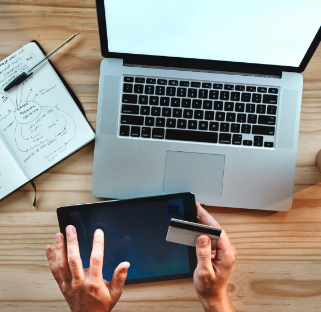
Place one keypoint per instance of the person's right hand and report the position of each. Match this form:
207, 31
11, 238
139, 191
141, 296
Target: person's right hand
213, 267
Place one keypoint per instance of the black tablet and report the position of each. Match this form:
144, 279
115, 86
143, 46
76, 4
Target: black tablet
135, 231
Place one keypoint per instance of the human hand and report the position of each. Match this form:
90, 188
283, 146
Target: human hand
85, 289
213, 267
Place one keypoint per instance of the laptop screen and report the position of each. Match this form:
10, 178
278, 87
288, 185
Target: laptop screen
271, 32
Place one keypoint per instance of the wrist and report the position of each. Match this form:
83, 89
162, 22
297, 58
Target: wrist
219, 302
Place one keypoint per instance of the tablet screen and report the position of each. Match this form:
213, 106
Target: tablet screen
136, 232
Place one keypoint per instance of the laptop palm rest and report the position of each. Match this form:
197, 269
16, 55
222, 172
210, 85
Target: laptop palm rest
201, 174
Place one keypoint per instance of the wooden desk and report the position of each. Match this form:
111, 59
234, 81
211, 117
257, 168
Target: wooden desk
279, 255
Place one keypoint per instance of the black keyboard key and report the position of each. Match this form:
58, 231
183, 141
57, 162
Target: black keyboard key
158, 133
149, 89
143, 99
124, 131
246, 128
251, 119
192, 124
173, 83
146, 132
228, 87
198, 114
268, 144
237, 139
135, 131
160, 122
258, 141
263, 130
175, 102
235, 128
151, 80
194, 136
166, 112
155, 111
195, 84
192, 93
132, 120
261, 89
246, 97
256, 97
188, 113
214, 126
220, 116
140, 80
130, 98
138, 88
218, 105
270, 99
160, 90
202, 125
250, 108
214, 94
202, 93
181, 123
266, 120
129, 79
184, 83
271, 110
209, 115
186, 103
251, 89
260, 109
171, 123
130, 109
224, 95
229, 106
206, 85
240, 88
149, 121
128, 88
177, 113
247, 142
153, 100
164, 101
144, 110
224, 127
181, 92
235, 96
225, 138
171, 91
230, 117
241, 118
217, 86
162, 81
239, 107
273, 90
207, 104
197, 103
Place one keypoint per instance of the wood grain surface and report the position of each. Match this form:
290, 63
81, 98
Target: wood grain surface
279, 254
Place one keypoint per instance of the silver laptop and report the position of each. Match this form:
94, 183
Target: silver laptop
202, 96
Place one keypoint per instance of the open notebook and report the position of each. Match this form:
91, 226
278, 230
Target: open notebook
40, 123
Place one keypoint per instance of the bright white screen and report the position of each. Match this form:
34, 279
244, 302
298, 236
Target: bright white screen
276, 32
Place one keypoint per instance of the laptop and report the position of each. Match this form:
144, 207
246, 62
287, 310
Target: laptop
203, 97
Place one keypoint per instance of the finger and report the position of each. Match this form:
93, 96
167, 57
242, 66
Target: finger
75, 263
117, 283
51, 256
97, 256
204, 217
203, 253
224, 249
61, 258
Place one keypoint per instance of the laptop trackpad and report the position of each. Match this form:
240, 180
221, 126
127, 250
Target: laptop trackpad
201, 174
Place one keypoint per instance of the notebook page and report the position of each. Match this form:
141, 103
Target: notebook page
44, 124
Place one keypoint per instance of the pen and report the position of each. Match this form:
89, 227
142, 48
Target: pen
28, 73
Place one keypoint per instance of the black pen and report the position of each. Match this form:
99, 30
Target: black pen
25, 75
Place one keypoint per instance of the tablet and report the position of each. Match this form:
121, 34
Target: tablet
135, 231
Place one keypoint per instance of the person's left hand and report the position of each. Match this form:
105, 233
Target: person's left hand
85, 289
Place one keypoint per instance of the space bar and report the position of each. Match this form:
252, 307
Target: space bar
195, 136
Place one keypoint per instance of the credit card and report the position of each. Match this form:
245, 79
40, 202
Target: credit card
187, 233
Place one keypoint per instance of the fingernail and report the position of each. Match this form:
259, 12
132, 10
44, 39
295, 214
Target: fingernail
99, 232
58, 238
203, 241
69, 230
47, 250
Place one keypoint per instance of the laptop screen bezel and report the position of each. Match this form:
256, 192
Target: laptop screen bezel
200, 64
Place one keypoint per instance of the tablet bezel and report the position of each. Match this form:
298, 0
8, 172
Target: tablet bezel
63, 214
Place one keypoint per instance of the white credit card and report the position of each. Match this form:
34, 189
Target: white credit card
187, 233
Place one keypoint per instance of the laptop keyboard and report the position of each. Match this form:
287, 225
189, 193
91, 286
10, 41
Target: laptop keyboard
198, 111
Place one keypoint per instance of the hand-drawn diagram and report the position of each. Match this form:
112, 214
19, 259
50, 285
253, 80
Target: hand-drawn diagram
35, 127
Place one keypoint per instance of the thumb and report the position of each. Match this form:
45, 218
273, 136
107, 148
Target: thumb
119, 278
203, 252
